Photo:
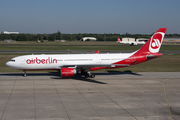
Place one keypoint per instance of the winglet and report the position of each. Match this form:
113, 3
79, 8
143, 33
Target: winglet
97, 52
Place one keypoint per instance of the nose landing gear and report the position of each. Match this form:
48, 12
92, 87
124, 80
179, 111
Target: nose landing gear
24, 73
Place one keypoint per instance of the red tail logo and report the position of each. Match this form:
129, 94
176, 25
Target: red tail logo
155, 42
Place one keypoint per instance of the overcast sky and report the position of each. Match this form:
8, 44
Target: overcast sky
89, 16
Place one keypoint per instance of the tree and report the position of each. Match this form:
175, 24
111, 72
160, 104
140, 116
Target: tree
7, 37
51, 37
22, 37
32, 37
41, 38
79, 36
58, 35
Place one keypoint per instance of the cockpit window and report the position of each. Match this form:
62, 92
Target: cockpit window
12, 60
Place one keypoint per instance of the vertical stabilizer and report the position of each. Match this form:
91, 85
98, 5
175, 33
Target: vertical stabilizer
154, 43
118, 39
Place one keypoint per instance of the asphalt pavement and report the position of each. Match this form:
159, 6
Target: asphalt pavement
109, 96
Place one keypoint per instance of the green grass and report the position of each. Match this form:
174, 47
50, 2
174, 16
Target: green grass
73, 43
64, 43
94, 48
68, 48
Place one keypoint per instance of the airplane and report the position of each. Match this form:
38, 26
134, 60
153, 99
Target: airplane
130, 42
70, 64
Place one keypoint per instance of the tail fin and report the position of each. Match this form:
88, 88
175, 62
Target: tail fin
148, 51
97, 52
154, 43
118, 39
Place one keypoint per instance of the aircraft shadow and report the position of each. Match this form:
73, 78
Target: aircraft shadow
110, 72
88, 80
55, 75
114, 72
31, 74
79, 78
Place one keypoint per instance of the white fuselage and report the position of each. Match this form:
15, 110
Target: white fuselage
56, 61
130, 42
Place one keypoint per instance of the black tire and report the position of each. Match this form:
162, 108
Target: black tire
92, 76
86, 75
132, 44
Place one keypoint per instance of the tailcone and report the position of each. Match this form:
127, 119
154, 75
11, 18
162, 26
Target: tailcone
153, 55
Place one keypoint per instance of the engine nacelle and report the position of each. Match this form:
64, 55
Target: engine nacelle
67, 72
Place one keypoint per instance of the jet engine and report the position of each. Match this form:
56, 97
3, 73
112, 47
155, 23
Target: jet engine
67, 72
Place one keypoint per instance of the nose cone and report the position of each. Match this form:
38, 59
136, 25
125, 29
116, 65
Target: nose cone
10, 64
7, 64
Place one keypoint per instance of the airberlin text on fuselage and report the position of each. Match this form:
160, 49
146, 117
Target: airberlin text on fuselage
41, 61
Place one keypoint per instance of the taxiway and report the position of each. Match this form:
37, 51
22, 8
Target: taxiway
109, 96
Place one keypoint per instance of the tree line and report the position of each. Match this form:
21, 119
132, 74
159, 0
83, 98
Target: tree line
74, 37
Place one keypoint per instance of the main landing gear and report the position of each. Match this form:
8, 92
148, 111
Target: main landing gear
87, 74
24, 73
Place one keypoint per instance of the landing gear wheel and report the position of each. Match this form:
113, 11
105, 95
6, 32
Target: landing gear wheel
88, 74
92, 76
